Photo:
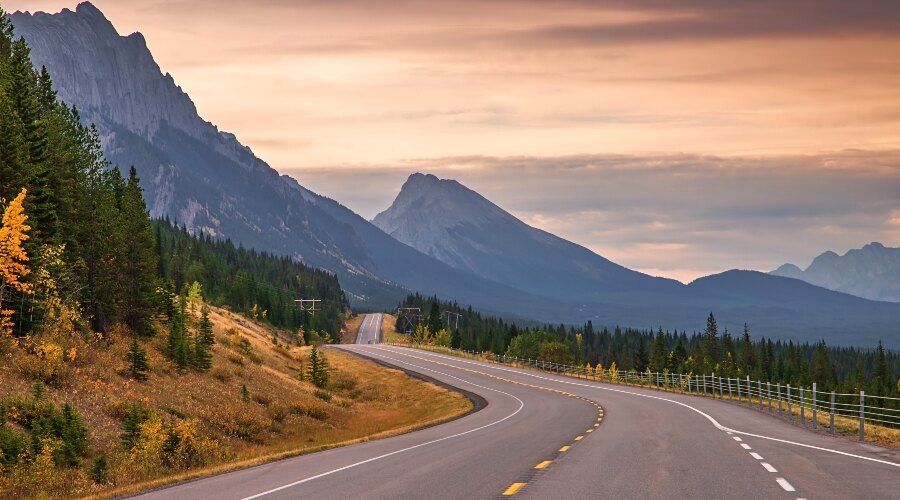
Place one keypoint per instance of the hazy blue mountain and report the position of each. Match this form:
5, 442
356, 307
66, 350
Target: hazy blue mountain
871, 272
463, 229
205, 179
458, 226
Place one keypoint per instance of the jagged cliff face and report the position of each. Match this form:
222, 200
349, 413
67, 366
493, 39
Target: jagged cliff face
112, 77
872, 272
116, 84
190, 171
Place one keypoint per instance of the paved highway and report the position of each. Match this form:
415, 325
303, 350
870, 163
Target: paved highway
370, 329
544, 436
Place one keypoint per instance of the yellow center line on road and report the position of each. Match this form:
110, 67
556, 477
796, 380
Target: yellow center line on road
513, 489
579, 438
543, 465
565, 448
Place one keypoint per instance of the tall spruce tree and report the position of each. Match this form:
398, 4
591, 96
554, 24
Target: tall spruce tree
435, 321
317, 372
178, 346
137, 360
711, 346
203, 342
139, 264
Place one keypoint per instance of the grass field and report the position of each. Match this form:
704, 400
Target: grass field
249, 408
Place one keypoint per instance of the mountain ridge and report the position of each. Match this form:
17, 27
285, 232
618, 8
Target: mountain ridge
444, 219
871, 272
465, 230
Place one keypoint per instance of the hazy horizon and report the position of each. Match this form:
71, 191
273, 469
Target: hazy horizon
679, 139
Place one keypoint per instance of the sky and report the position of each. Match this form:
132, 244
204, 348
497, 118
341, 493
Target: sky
676, 137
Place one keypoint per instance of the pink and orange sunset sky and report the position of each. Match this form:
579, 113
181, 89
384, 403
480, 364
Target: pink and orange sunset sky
679, 138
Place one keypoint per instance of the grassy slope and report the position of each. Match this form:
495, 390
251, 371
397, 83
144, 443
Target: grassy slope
283, 416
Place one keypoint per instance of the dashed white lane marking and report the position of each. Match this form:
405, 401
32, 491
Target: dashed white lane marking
712, 420
769, 467
784, 484
746, 446
756, 455
736, 438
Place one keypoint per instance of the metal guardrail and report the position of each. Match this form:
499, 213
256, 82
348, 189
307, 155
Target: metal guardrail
804, 405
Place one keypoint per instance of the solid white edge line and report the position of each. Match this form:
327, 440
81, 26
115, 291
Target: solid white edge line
328, 473
784, 484
648, 396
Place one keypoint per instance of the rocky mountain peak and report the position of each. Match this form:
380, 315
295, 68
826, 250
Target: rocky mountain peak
872, 272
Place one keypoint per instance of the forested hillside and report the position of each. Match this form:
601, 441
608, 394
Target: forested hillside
104, 316
255, 283
875, 370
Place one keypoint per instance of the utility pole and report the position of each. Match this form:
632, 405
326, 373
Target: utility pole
457, 315
408, 317
309, 305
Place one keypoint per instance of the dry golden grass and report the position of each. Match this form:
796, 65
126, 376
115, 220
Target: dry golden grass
282, 416
351, 329
389, 332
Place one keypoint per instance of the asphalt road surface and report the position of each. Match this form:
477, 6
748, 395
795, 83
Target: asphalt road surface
370, 329
545, 436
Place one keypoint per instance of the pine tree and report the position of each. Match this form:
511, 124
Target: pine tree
137, 360
641, 358
73, 434
317, 372
659, 352
139, 265
99, 469
455, 339
435, 321
881, 378
822, 373
711, 339
203, 342
6, 36
131, 425
747, 361
178, 346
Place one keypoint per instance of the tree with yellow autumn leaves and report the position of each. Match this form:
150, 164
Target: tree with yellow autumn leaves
13, 258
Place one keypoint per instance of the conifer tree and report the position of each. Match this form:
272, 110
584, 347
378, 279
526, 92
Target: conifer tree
881, 379
711, 339
178, 346
318, 368
435, 321
139, 264
131, 425
203, 342
137, 360
641, 358
73, 434
659, 352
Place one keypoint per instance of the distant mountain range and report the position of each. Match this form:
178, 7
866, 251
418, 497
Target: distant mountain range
458, 226
444, 238
872, 272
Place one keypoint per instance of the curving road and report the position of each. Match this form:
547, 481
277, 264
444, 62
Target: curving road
544, 436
